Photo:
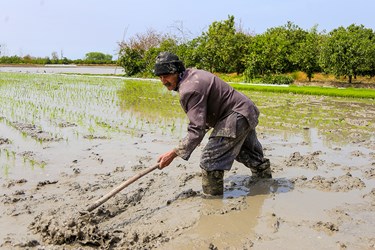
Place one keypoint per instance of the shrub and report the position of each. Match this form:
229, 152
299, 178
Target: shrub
278, 79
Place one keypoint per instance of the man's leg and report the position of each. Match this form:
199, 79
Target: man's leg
251, 155
219, 155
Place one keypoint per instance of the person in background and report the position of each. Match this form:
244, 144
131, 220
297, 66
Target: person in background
209, 102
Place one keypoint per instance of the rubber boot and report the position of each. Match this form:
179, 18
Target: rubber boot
213, 183
263, 170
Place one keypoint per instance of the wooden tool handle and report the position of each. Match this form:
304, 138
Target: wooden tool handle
121, 187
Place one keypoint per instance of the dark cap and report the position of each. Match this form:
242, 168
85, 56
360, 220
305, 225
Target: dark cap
168, 63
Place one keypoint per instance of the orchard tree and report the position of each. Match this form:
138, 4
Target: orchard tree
241, 49
371, 58
220, 48
257, 61
348, 51
306, 53
272, 52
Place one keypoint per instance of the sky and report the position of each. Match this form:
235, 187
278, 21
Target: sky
73, 28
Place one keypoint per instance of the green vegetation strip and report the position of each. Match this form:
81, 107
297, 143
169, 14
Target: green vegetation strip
308, 90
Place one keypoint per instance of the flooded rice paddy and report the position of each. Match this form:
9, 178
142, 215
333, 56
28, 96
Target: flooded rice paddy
66, 140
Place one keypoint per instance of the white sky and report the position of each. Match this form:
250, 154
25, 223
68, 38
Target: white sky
75, 27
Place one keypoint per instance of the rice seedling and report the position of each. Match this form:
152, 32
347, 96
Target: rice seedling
68, 108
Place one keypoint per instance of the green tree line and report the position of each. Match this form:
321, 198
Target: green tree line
225, 48
90, 58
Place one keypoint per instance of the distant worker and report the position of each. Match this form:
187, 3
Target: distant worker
209, 102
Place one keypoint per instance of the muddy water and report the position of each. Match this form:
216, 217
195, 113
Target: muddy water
66, 141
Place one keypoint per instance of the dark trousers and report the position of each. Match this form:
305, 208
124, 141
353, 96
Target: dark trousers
220, 152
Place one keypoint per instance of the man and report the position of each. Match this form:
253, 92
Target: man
210, 102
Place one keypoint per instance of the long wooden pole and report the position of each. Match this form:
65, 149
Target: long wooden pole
121, 187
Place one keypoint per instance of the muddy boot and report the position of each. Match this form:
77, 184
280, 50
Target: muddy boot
212, 182
263, 170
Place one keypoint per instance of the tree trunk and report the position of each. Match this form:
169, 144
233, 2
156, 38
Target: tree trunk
350, 78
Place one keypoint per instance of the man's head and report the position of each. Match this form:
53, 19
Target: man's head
168, 63
168, 67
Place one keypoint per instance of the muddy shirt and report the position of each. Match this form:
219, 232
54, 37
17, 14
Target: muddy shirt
209, 102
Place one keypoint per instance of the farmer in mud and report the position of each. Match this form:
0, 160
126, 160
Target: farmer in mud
209, 102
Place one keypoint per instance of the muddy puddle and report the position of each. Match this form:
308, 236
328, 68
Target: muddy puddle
65, 141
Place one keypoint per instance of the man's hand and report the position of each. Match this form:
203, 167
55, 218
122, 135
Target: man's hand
166, 159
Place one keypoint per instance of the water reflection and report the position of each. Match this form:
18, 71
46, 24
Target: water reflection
336, 120
244, 185
333, 120
229, 223
150, 104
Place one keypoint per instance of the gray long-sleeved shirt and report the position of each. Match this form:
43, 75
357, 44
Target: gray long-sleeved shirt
208, 102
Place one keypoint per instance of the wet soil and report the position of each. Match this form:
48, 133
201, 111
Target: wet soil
317, 199
322, 195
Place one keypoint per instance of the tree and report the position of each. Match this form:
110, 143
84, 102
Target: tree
306, 54
138, 54
131, 60
221, 48
370, 59
98, 57
54, 57
348, 51
272, 52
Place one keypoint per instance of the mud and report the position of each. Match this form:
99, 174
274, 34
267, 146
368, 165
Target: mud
165, 209
322, 195
34, 132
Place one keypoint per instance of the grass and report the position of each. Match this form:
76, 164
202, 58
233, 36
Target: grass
237, 81
310, 90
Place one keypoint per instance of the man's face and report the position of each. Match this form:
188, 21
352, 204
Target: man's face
169, 81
